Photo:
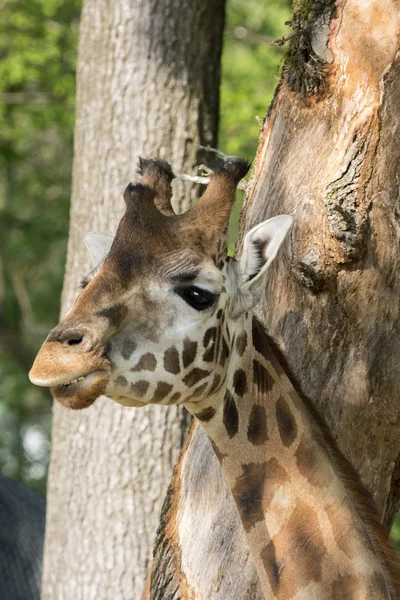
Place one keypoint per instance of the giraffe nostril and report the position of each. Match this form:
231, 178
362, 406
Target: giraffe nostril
79, 338
72, 338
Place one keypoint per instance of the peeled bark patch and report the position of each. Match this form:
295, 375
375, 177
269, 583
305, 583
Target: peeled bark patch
345, 206
308, 54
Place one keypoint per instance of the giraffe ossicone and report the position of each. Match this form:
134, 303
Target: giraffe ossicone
166, 318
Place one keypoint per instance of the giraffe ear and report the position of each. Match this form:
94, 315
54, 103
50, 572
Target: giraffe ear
98, 246
260, 247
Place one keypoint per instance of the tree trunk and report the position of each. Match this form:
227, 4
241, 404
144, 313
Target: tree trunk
328, 155
148, 77
331, 158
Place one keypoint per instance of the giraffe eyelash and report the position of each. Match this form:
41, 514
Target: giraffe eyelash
84, 282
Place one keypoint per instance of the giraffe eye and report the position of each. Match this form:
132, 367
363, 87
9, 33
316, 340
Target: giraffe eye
196, 297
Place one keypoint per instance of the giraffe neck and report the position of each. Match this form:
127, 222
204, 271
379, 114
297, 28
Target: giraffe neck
306, 535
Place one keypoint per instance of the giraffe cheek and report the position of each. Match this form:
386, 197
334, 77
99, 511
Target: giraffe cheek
128, 402
128, 393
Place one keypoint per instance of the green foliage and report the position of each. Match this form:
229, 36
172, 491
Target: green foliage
37, 93
251, 67
395, 532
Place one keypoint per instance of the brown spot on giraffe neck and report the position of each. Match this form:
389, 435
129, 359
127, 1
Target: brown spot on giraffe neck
241, 343
174, 398
348, 587
276, 478
162, 390
260, 339
240, 382
262, 379
194, 376
255, 489
298, 551
224, 352
230, 415
216, 384
257, 433
140, 388
147, 362
286, 422
189, 352
311, 465
121, 381
206, 414
342, 522
271, 566
171, 360
248, 494
128, 347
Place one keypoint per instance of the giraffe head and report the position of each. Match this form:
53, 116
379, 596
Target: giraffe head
152, 322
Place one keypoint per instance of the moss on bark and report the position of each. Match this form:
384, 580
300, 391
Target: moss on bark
307, 56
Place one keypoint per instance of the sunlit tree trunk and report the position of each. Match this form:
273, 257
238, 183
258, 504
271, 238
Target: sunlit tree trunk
329, 155
148, 78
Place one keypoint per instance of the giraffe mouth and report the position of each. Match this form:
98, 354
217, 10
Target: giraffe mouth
82, 391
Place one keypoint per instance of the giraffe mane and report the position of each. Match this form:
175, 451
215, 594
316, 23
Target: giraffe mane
359, 495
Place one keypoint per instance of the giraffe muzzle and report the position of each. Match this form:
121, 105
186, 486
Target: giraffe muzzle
76, 379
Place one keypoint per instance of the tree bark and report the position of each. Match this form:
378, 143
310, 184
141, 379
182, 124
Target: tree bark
148, 78
328, 155
331, 158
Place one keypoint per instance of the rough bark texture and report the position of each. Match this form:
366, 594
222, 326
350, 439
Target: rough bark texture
329, 155
331, 159
148, 76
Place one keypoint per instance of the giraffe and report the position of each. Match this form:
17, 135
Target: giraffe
166, 317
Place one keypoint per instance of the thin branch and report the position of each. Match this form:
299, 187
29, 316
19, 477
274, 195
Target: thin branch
210, 149
242, 185
285, 39
193, 178
243, 34
205, 171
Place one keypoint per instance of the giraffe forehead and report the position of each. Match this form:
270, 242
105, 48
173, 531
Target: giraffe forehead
142, 267
187, 265
148, 239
